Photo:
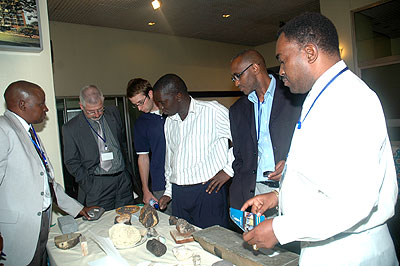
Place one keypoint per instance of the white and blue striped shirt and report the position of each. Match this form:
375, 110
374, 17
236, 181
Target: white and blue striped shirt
197, 148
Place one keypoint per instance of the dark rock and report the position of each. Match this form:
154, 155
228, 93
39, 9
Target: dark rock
148, 216
173, 220
156, 247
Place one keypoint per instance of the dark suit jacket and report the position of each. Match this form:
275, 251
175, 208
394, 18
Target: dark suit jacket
286, 108
81, 153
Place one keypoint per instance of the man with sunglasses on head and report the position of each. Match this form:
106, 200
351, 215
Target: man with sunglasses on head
95, 152
149, 140
262, 124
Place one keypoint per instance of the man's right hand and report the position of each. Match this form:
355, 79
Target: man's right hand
261, 203
147, 196
163, 202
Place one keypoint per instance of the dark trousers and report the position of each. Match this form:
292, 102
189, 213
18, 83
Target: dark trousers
199, 208
110, 192
40, 256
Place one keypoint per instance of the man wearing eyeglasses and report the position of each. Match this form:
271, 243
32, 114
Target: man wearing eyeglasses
262, 124
149, 140
95, 152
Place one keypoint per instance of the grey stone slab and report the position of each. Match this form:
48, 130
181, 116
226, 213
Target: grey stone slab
230, 246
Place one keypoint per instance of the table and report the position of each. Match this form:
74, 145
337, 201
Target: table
134, 256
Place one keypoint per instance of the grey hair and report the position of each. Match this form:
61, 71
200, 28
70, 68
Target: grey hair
90, 94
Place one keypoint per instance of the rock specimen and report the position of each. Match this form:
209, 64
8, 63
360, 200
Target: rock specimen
182, 253
156, 247
172, 220
148, 216
184, 228
67, 241
124, 218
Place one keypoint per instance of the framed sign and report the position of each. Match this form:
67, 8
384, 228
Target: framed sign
20, 25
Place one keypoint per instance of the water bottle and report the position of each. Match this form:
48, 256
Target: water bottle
153, 203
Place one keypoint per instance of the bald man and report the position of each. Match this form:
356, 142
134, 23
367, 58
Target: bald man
262, 124
27, 178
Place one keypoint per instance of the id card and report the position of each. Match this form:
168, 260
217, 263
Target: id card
106, 156
245, 220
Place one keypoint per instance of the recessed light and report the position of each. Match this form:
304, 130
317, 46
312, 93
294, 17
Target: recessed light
151, 23
226, 15
156, 4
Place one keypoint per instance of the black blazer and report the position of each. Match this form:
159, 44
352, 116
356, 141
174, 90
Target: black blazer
286, 108
81, 153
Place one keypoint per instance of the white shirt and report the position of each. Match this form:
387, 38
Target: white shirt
340, 175
47, 196
197, 147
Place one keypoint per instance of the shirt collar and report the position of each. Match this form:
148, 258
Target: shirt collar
23, 122
270, 91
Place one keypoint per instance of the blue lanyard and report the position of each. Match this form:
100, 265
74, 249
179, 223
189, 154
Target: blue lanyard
326, 86
38, 146
103, 139
259, 120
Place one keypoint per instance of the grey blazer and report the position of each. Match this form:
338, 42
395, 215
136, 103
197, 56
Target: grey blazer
21, 192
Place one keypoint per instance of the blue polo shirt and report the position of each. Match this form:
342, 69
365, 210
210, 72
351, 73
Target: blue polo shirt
149, 138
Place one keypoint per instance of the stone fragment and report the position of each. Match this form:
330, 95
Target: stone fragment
182, 253
124, 218
173, 220
184, 228
222, 263
67, 224
67, 241
148, 216
156, 247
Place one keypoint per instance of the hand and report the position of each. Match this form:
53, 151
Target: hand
163, 202
262, 235
84, 211
217, 182
277, 174
147, 196
261, 203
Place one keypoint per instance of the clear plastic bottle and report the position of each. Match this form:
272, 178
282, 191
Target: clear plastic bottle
153, 203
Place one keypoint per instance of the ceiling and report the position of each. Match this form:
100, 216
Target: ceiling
251, 22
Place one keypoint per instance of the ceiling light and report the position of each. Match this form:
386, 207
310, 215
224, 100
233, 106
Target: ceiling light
151, 23
156, 4
226, 15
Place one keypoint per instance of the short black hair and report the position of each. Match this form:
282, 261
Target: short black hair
170, 83
313, 28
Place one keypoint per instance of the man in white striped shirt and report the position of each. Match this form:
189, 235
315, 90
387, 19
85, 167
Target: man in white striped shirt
198, 160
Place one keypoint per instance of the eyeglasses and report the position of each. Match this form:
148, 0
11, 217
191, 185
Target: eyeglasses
236, 76
98, 111
140, 103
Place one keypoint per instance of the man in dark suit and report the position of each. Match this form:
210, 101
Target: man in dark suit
95, 152
262, 124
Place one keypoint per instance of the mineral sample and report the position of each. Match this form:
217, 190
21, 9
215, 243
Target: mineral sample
148, 216
184, 228
156, 247
124, 218
173, 220
67, 241
182, 253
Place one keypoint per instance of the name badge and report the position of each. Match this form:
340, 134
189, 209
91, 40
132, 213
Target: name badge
106, 156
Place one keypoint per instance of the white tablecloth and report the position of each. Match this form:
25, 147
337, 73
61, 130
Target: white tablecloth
134, 256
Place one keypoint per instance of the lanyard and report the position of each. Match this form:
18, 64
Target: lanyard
103, 139
326, 86
38, 146
259, 120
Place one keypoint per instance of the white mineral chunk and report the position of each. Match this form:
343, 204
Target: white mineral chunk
182, 253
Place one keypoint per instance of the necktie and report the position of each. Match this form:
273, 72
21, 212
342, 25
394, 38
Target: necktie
105, 165
39, 152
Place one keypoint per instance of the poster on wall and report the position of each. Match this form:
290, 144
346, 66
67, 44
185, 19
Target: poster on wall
19, 25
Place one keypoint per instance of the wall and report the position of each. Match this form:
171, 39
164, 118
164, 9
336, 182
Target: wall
36, 67
109, 58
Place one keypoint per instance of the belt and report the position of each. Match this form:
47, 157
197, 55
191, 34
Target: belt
115, 174
270, 183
